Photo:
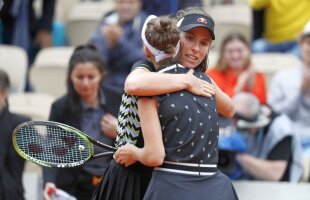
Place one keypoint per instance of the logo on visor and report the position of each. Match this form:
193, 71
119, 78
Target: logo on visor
202, 20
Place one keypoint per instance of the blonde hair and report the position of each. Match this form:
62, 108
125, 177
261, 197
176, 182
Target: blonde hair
221, 62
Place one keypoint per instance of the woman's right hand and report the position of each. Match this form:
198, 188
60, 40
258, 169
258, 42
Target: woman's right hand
246, 78
198, 86
48, 190
125, 155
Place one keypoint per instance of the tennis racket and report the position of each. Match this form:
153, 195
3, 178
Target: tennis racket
52, 144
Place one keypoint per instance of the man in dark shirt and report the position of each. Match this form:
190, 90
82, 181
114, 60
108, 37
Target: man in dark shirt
272, 152
11, 164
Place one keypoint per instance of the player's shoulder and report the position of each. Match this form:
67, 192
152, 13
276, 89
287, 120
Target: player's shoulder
143, 64
175, 68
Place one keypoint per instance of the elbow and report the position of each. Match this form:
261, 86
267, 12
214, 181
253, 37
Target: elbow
275, 176
231, 111
131, 87
278, 171
156, 159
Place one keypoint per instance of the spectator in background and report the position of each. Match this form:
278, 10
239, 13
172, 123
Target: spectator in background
164, 7
11, 164
21, 26
89, 109
289, 92
272, 150
283, 20
118, 40
234, 72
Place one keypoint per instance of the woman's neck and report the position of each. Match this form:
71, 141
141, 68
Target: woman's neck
162, 64
237, 71
91, 101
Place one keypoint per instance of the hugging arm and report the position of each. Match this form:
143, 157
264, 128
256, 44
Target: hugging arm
153, 153
223, 102
141, 82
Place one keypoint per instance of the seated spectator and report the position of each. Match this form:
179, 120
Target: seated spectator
119, 41
11, 164
283, 20
234, 72
289, 92
90, 110
271, 150
21, 26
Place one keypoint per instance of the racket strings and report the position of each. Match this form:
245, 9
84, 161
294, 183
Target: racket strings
52, 145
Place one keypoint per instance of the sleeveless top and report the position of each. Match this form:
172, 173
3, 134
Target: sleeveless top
128, 126
189, 123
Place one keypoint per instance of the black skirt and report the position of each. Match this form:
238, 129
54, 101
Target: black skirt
175, 186
123, 183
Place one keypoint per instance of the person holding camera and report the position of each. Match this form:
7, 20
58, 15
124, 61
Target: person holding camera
272, 152
118, 40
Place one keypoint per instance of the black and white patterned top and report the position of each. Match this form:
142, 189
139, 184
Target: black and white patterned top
128, 126
189, 124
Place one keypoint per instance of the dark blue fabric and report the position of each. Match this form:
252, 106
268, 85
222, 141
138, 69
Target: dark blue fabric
11, 164
164, 7
189, 124
21, 30
125, 53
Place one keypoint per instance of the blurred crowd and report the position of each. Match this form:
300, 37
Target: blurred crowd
267, 139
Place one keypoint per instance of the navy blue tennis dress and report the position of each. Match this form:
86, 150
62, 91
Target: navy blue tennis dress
120, 182
190, 133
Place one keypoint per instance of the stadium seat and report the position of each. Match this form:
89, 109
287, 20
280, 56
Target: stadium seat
271, 190
37, 106
48, 73
231, 18
84, 19
271, 63
14, 61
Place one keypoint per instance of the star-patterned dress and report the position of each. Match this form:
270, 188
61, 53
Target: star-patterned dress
120, 182
190, 133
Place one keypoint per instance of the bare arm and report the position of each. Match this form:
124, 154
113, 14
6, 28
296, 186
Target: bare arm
224, 103
141, 82
153, 152
271, 170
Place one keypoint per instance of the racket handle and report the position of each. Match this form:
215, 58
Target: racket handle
59, 194
99, 155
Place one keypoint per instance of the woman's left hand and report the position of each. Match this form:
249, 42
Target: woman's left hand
108, 125
125, 155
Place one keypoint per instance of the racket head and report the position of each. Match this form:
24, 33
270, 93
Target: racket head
52, 144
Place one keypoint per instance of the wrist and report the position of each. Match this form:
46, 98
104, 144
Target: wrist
136, 153
186, 82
